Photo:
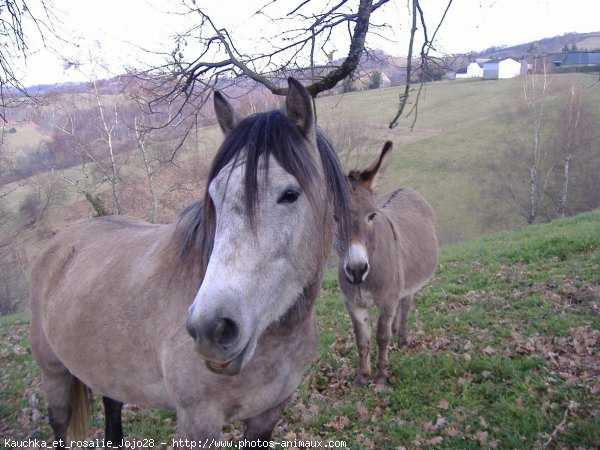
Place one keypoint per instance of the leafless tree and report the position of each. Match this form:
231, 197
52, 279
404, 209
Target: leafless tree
9, 179
108, 123
304, 37
576, 133
74, 125
522, 167
28, 224
534, 100
15, 16
161, 131
547, 166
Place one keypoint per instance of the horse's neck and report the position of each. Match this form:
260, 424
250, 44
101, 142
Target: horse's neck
300, 313
184, 274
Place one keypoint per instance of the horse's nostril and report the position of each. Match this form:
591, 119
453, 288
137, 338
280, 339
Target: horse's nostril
225, 332
190, 328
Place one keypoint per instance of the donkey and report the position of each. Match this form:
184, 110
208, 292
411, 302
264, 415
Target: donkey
392, 253
211, 315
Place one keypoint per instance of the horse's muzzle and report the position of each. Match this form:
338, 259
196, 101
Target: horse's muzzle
232, 367
216, 341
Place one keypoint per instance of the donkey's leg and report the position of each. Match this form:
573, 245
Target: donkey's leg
113, 430
396, 321
57, 386
259, 428
361, 323
402, 318
384, 336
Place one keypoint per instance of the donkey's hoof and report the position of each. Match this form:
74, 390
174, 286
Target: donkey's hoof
361, 380
402, 341
381, 379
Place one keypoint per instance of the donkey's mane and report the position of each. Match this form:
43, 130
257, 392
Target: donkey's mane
268, 134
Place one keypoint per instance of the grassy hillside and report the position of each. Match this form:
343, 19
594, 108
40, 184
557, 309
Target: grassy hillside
22, 139
503, 354
583, 41
461, 125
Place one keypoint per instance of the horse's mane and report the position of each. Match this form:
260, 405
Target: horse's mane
268, 134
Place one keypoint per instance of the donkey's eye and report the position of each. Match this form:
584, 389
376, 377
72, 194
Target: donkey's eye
371, 217
289, 196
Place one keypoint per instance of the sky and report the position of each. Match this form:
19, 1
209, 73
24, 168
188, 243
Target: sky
115, 34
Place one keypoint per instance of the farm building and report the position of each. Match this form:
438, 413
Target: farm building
501, 68
577, 59
473, 70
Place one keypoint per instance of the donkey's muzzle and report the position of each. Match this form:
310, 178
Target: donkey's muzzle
356, 263
357, 272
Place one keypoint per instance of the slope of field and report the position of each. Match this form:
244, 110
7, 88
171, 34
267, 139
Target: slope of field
582, 41
22, 138
503, 354
460, 125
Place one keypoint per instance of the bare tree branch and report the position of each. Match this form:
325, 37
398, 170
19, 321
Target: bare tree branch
425, 59
243, 64
14, 44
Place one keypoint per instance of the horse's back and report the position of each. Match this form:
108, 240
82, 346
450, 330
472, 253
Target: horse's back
413, 220
87, 243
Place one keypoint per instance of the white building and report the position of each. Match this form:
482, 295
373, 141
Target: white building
474, 70
501, 68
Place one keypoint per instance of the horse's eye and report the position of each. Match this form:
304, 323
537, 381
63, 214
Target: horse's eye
371, 217
289, 196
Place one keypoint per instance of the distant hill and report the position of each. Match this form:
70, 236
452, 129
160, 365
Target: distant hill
556, 44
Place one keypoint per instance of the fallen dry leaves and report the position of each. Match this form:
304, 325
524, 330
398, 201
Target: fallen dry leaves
573, 358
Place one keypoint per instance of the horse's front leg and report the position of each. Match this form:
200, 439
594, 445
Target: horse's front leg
384, 336
113, 430
198, 428
260, 428
361, 322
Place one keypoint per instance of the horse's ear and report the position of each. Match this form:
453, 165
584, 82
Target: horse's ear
227, 116
372, 174
298, 107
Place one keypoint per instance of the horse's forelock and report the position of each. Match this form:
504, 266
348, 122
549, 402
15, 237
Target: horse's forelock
338, 186
267, 135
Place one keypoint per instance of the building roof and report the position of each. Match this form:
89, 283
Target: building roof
498, 60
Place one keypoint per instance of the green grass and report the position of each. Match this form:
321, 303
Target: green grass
503, 354
461, 126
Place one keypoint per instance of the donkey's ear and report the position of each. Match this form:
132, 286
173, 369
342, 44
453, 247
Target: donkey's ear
298, 107
227, 116
372, 174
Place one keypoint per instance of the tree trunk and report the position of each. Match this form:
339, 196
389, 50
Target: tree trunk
150, 172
